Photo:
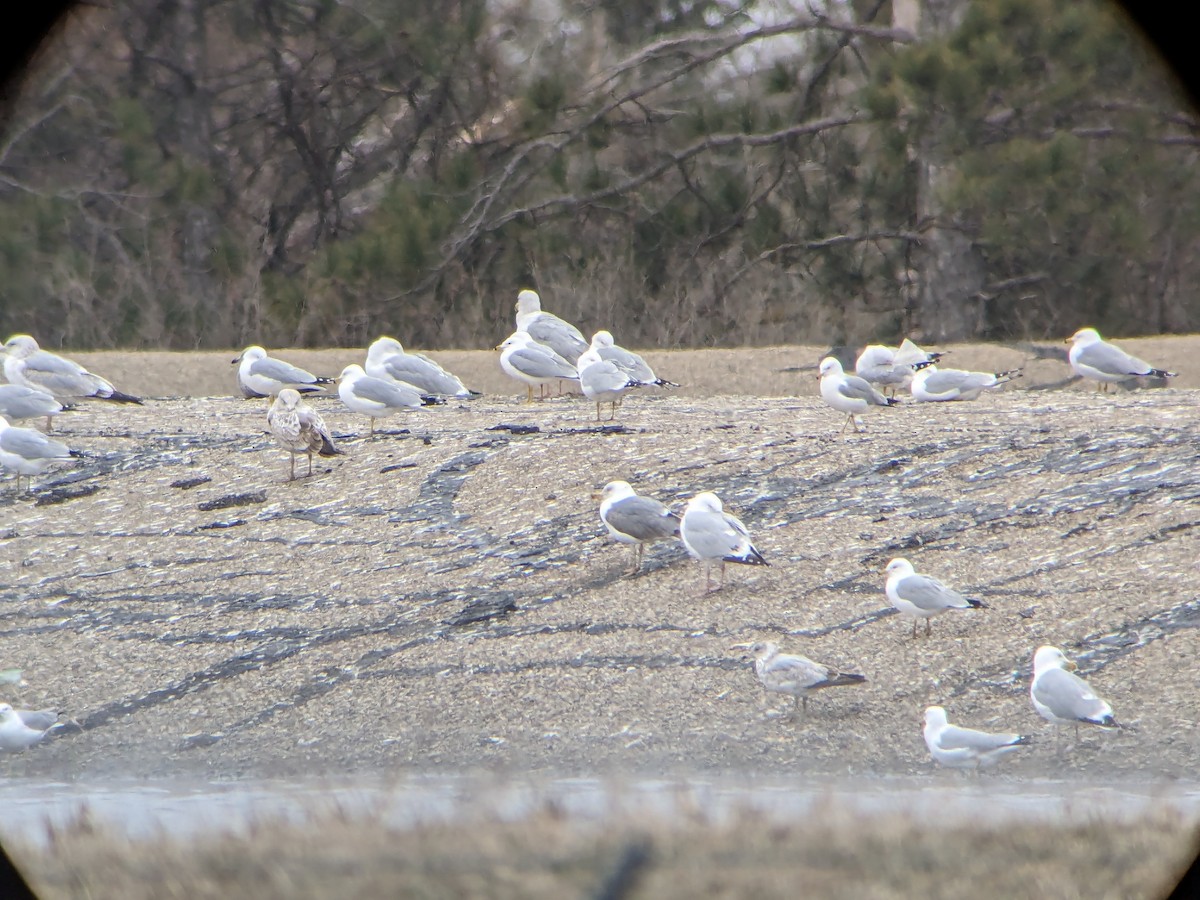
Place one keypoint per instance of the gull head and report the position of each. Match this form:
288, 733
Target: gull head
617, 490
705, 501
935, 716
900, 567
289, 397
602, 339
21, 346
1084, 336
1047, 658
830, 366
352, 372
528, 301
6, 713
384, 346
759, 649
250, 353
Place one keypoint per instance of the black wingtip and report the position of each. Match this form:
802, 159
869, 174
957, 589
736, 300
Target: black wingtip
1163, 373
977, 604
662, 382
892, 401
432, 401
1022, 740
321, 379
118, 397
754, 558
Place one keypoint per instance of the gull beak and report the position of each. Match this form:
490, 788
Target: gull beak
1070, 666
237, 359
1067, 340
499, 346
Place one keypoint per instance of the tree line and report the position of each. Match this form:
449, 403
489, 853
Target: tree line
685, 173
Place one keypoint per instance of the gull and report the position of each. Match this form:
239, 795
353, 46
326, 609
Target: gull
379, 397
709, 533
1062, 697
966, 748
547, 328
633, 519
1093, 357
533, 363
21, 729
798, 676
298, 428
387, 358
603, 382
20, 402
892, 367
604, 349
848, 393
29, 452
27, 364
933, 384
260, 375
922, 596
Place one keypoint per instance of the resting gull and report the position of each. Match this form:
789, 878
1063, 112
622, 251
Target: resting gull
20, 402
533, 363
379, 397
547, 328
21, 729
633, 519
27, 364
29, 452
1093, 357
299, 429
604, 348
892, 367
710, 534
798, 676
848, 393
931, 384
966, 748
602, 382
260, 375
922, 596
1062, 697
387, 358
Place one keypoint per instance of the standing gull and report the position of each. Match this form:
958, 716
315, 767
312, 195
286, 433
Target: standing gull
922, 596
533, 363
604, 349
797, 676
1093, 357
548, 328
379, 397
636, 520
848, 393
26, 363
21, 730
299, 429
29, 452
709, 533
892, 367
603, 383
966, 748
1062, 697
260, 375
931, 384
386, 358
20, 402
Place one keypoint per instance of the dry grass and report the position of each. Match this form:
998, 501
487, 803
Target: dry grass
546, 856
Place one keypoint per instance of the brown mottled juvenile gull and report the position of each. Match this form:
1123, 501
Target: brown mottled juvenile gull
378, 397
387, 358
298, 428
19, 402
28, 364
922, 596
710, 534
848, 393
547, 328
29, 452
633, 519
931, 384
797, 676
260, 375
1093, 357
966, 748
1062, 697
533, 363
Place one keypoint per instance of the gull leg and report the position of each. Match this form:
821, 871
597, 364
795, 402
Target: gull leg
844, 424
928, 627
292, 468
309, 463
914, 630
598, 405
372, 418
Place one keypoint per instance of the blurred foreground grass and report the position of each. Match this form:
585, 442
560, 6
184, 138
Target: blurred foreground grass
547, 855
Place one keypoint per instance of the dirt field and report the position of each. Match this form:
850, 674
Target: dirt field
443, 596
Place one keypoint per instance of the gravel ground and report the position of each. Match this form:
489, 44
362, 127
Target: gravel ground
443, 597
